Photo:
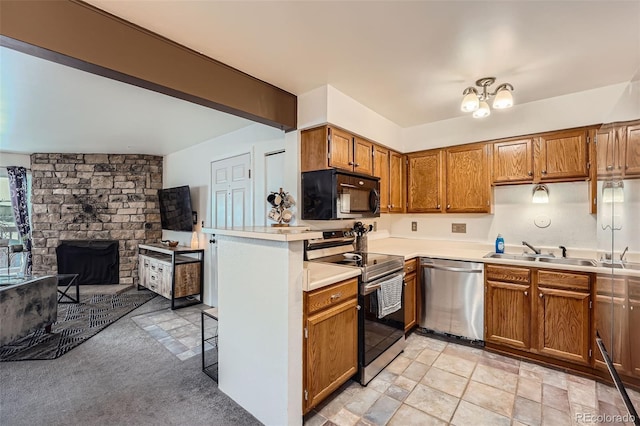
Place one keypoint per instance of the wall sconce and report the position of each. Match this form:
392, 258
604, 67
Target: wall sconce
540, 194
613, 192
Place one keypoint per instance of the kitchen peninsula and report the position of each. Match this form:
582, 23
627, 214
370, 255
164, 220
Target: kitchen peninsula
260, 281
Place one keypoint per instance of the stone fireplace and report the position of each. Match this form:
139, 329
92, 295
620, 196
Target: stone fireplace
86, 197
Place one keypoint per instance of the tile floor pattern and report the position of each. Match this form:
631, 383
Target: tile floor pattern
434, 383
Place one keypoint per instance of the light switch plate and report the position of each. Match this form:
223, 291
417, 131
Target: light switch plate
459, 228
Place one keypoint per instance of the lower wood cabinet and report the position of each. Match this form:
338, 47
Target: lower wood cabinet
330, 344
410, 295
539, 311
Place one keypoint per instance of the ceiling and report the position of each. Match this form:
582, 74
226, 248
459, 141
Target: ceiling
408, 61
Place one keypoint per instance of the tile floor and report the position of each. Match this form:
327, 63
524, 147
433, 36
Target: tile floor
434, 383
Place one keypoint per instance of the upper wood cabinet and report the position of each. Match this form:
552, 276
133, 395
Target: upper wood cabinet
550, 157
425, 177
610, 150
452, 180
513, 161
468, 184
381, 170
632, 151
559, 156
329, 147
396, 182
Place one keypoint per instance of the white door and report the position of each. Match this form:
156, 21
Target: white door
274, 178
231, 205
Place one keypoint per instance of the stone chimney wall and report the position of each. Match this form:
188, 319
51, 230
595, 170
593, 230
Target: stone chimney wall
95, 197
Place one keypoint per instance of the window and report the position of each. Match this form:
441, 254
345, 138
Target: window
8, 231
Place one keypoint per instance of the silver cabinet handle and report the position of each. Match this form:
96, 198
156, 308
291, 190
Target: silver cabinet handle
541, 295
346, 185
351, 163
544, 172
609, 167
438, 206
631, 308
526, 293
357, 164
530, 173
448, 206
336, 296
358, 307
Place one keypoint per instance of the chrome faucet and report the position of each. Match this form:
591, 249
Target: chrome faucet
535, 250
623, 253
564, 251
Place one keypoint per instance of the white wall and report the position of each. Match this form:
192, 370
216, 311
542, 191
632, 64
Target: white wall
514, 214
626, 220
9, 159
192, 166
578, 109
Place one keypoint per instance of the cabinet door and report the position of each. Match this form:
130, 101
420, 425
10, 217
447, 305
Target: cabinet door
561, 156
468, 183
410, 317
425, 182
341, 150
611, 320
363, 156
396, 179
563, 324
610, 153
330, 351
513, 161
507, 314
143, 270
381, 170
632, 151
165, 271
634, 321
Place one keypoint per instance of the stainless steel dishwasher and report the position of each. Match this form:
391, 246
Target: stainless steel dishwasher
453, 298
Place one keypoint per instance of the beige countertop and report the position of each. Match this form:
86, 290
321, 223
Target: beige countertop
318, 275
292, 233
322, 274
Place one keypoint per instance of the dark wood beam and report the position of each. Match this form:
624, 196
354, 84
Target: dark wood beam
76, 34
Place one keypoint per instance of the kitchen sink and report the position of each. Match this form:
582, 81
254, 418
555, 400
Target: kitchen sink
620, 265
510, 256
569, 261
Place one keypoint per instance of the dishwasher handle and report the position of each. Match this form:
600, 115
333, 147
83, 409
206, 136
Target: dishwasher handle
451, 268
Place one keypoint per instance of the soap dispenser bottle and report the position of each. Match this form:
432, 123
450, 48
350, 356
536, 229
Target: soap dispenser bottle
499, 244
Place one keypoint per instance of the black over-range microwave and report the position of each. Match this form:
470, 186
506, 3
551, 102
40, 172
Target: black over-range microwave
334, 194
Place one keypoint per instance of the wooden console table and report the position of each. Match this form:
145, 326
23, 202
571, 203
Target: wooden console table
171, 272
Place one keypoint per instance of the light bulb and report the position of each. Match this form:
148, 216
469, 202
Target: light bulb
482, 111
470, 102
503, 99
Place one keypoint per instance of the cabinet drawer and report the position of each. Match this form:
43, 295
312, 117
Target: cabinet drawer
410, 266
332, 295
508, 273
634, 288
611, 286
563, 280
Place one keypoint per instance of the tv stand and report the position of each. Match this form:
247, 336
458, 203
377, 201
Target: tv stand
172, 272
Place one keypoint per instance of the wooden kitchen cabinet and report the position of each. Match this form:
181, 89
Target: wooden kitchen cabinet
611, 320
452, 180
634, 319
329, 147
508, 306
538, 311
381, 170
563, 314
330, 344
632, 151
610, 150
425, 181
468, 184
396, 182
410, 294
561, 156
513, 161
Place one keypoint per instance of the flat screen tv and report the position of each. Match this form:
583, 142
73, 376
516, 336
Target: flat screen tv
175, 209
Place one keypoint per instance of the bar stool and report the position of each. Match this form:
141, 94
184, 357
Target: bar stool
210, 366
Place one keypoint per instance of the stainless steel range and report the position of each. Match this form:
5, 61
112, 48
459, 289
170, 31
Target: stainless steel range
380, 334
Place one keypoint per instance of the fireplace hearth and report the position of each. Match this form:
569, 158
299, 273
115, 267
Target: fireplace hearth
95, 261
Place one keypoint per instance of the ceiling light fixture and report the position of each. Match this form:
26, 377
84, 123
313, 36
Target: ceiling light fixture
476, 102
540, 194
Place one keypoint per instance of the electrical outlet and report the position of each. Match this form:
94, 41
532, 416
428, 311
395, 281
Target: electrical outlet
414, 226
459, 228
375, 226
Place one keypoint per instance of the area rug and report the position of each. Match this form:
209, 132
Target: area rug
76, 323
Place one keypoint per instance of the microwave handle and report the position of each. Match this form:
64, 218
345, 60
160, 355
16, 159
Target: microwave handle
348, 185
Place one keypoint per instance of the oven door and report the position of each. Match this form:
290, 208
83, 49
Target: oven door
380, 339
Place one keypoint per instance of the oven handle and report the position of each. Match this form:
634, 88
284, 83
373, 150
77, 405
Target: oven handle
373, 286
452, 269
